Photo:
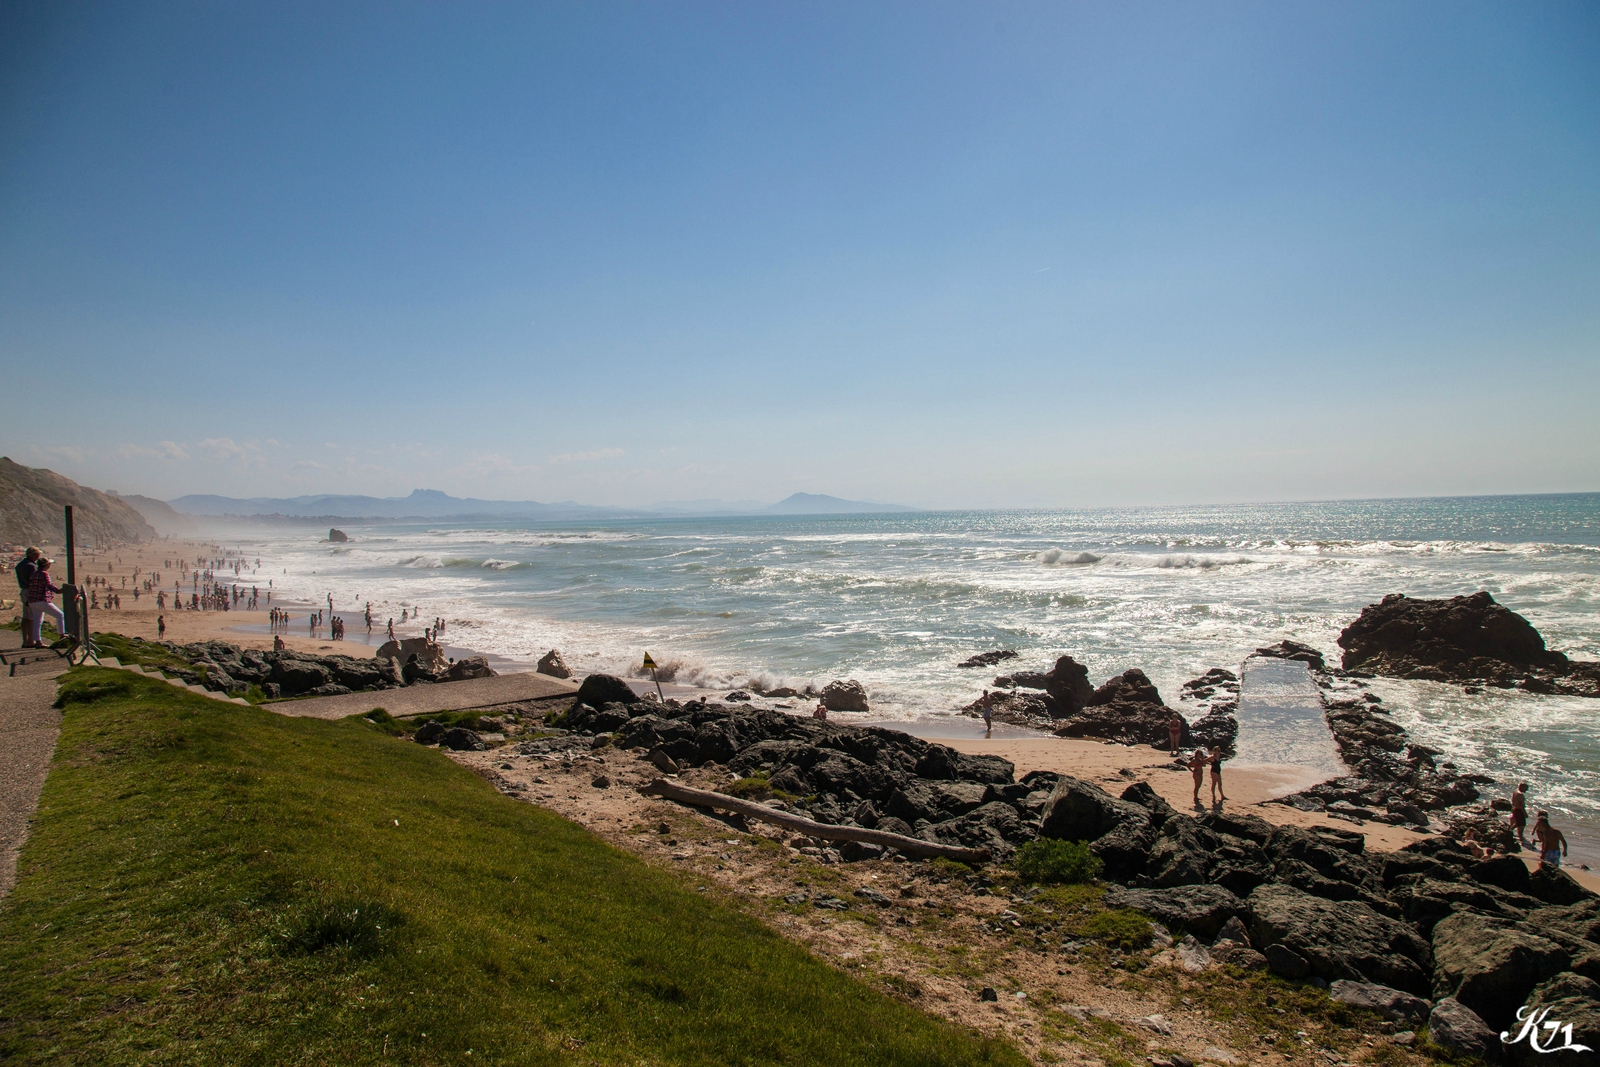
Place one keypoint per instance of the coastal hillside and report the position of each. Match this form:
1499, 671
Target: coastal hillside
31, 499
167, 521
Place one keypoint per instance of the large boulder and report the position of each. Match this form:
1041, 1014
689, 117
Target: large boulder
429, 656
1339, 939
598, 690
1202, 910
469, 667
1555, 886
552, 664
1131, 686
1082, 811
845, 696
1456, 1028
299, 674
1068, 685
1491, 966
1126, 708
1465, 637
1398, 1005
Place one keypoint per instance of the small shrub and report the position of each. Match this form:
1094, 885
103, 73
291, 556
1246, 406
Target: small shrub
756, 787
1125, 929
1050, 862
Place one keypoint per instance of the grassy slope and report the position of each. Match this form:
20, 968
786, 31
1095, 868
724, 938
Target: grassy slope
208, 883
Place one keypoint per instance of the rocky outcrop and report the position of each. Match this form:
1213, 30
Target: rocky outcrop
1126, 708
224, 668
1214, 697
1401, 1007
338, 536
1571, 1000
988, 659
1068, 685
1198, 909
1490, 965
845, 696
469, 667
1466, 639
1296, 651
423, 656
1345, 939
552, 664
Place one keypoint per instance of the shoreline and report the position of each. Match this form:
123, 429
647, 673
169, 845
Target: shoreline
1101, 762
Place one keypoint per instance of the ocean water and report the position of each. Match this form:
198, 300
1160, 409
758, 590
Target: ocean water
897, 601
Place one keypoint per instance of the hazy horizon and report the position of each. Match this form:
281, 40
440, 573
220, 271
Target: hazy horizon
1027, 256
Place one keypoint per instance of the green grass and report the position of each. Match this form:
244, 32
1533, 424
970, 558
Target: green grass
209, 883
1051, 862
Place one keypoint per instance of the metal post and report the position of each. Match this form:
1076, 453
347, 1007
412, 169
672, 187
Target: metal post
72, 555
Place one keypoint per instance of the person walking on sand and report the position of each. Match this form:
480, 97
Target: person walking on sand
1217, 794
1197, 767
1175, 732
1551, 842
161, 627
987, 703
1519, 812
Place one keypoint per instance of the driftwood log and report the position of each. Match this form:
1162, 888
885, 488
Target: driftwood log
915, 846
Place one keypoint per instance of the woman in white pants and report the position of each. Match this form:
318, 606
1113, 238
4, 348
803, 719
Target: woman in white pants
41, 591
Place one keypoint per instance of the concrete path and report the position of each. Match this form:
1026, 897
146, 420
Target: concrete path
29, 727
424, 698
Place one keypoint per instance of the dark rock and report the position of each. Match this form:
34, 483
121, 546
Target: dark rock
1338, 939
1068, 685
552, 664
1233, 930
601, 689
460, 739
845, 696
988, 659
856, 851
987, 994
603, 720
1130, 687
1296, 651
1202, 910
601, 781
1122, 721
428, 733
1286, 962
872, 896
1507, 872
1465, 638
1234, 954
1458, 1029
941, 762
1397, 1005
1491, 966
1082, 811
1555, 886
469, 667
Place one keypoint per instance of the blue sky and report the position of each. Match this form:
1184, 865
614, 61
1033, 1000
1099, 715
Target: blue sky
952, 255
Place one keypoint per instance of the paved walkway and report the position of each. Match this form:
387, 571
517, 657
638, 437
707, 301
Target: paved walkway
29, 727
425, 697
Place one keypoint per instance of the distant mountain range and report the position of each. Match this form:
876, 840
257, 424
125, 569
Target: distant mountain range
433, 504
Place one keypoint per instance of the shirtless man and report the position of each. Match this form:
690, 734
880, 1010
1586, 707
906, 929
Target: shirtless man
1551, 842
987, 702
1519, 812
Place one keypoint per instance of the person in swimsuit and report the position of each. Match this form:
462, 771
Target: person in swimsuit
1551, 842
1216, 776
988, 720
1519, 812
1174, 733
1197, 767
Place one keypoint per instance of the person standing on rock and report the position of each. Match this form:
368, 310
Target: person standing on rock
1175, 733
1217, 795
1551, 842
1519, 812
